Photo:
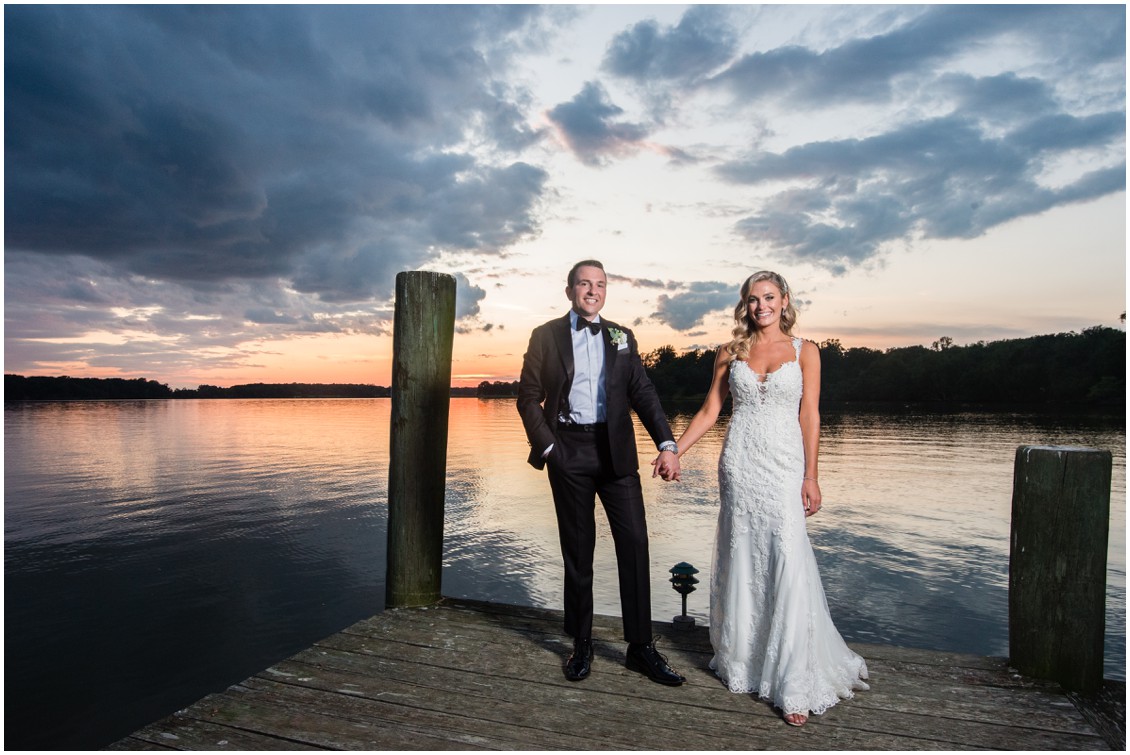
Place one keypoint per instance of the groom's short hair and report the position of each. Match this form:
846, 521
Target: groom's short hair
582, 263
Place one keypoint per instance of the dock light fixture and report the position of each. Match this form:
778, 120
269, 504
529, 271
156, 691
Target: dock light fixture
683, 582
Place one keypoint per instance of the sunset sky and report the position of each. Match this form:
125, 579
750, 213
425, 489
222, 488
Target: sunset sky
224, 194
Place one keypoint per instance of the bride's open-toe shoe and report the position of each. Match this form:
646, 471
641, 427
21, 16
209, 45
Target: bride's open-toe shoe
795, 719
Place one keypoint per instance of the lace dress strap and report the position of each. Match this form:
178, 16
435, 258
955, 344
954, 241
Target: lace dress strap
797, 343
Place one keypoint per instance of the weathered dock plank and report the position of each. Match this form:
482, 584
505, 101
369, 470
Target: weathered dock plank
471, 675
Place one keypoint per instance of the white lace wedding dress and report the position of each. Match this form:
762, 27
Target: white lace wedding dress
769, 621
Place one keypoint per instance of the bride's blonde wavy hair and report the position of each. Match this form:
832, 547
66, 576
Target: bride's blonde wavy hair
744, 327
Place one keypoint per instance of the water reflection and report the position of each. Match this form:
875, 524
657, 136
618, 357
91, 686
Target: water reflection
500, 531
913, 542
156, 551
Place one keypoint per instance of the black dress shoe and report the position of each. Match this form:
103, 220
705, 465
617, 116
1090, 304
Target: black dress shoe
580, 662
647, 660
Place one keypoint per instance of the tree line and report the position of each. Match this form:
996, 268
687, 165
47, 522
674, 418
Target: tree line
20, 388
1066, 368
35, 388
1086, 368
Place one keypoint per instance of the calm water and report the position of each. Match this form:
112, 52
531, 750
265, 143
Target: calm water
156, 551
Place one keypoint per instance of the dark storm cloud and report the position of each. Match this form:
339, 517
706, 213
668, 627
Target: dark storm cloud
689, 304
206, 176
702, 40
666, 63
1005, 98
588, 124
865, 69
943, 178
211, 143
264, 316
687, 309
988, 159
198, 176
965, 154
644, 282
467, 297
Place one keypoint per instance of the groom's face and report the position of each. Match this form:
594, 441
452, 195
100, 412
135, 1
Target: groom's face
587, 291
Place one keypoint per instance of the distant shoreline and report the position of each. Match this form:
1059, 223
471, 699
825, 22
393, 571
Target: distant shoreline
1086, 369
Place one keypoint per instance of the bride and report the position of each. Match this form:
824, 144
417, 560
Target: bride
769, 621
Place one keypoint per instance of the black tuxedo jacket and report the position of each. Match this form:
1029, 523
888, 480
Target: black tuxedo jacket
547, 376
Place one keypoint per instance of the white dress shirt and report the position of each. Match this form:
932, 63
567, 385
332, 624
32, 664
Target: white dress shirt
587, 401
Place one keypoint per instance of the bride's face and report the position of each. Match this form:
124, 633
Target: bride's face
765, 303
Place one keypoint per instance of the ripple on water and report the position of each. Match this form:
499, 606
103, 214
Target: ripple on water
156, 551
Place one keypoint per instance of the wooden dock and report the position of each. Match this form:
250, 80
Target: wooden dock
482, 676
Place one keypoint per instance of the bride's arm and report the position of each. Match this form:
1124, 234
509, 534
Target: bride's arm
707, 414
810, 426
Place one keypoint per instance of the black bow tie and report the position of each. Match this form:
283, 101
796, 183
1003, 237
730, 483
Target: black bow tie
582, 323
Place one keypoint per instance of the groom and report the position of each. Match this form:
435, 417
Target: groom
580, 376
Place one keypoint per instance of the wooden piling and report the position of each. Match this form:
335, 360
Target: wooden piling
423, 331
1057, 566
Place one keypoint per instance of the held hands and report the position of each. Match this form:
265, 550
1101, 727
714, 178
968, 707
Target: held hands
810, 496
666, 465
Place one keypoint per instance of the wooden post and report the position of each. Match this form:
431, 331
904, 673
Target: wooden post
1057, 565
422, 335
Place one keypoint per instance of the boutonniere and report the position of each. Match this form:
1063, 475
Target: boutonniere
619, 338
